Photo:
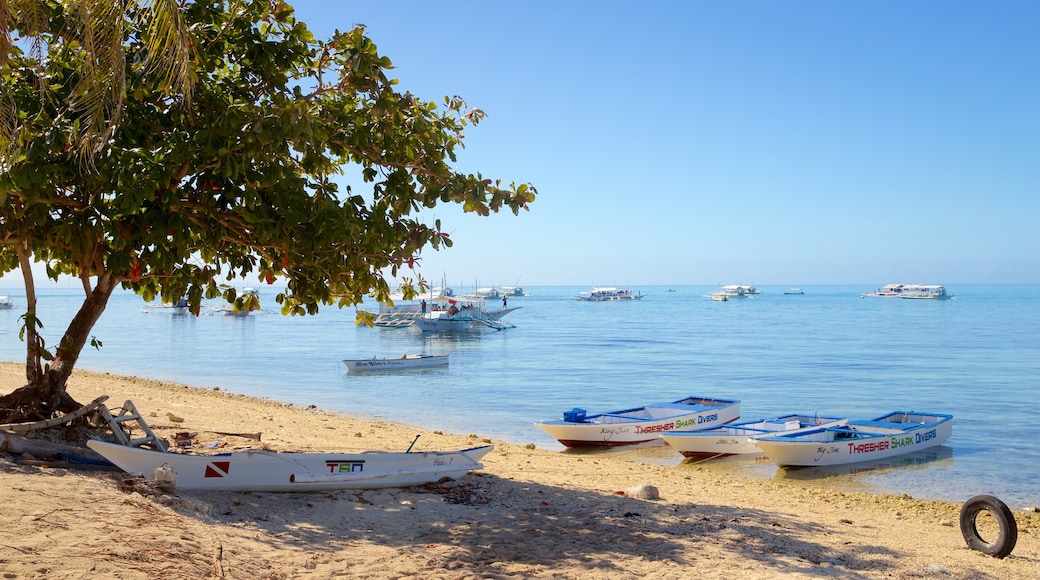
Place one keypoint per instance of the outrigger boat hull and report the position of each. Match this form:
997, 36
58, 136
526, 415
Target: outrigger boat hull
267, 471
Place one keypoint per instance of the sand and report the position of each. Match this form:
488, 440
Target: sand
530, 513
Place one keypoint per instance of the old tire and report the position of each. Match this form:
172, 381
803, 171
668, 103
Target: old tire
1008, 537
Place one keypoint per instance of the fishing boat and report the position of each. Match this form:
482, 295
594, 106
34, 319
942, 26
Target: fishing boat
738, 438
896, 433
266, 471
455, 315
720, 298
736, 291
607, 295
6, 303
641, 424
910, 291
405, 362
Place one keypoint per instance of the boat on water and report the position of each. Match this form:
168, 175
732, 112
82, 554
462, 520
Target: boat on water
455, 315
6, 303
889, 435
640, 424
735, 291
178, 307
794, 291
720, 298
260, 470
405, 362
910, 291
738, 438
513, 291
607, 294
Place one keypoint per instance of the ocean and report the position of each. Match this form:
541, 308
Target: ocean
827, 351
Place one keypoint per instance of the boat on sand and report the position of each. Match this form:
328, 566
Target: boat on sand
640, 424
268, 471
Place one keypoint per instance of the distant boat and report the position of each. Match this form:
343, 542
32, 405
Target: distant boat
607, 295
910, 291
640, 424
406, 362
896, 433
736, 291
793, 291
719, 297
512, 291
6, 303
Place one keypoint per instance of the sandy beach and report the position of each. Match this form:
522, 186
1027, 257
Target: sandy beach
530, 513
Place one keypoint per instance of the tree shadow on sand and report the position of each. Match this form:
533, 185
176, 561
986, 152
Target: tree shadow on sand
484, 524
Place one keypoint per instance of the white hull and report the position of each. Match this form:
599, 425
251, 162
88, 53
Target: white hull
739, 438
266, 471
407, 362
858, 441
642, 424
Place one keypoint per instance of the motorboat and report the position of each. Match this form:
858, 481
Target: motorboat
738, 438
454, 315
889, 435
607, 294
910, 291
6, 303
793, 291
640, 424
402, 363
736, 291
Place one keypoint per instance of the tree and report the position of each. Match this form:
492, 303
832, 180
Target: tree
243, 183
98, 27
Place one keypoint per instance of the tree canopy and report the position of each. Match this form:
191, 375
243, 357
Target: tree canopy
242, 183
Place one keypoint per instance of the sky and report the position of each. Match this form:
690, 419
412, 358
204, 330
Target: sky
695, 142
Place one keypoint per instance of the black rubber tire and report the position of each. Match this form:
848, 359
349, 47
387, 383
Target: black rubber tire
1008, 537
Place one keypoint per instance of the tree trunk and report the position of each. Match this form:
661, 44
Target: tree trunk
44, 393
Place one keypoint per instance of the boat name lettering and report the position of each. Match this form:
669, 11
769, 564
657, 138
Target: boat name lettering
902, 441
345, 466
699, 420
613, 430
655, 428
871, 447
922, 437
821, 451
441, 461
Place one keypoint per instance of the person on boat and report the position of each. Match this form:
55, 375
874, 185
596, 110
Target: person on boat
423, 305
504, 301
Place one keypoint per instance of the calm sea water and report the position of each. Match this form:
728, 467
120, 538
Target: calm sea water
827, 351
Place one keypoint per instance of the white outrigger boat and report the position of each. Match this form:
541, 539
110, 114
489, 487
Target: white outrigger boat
403, 363
630, 426
607, 295
462, 315
267, 471
739, 438
910, 291
896, 433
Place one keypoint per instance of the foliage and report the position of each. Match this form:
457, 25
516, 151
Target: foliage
244, 182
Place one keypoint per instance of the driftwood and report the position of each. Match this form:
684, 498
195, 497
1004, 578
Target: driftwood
14, 444
253, 436
55, 421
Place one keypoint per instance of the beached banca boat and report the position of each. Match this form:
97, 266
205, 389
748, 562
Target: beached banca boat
738, 438
896, 433
630, 426
267, 471
403, 363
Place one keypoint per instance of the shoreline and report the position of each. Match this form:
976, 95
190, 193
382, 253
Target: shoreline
531, 512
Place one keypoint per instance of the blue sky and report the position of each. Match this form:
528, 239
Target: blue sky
756, 143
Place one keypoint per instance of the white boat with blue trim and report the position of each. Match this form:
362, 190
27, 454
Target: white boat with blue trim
739, 438
640, 424
895, 433
268, 471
